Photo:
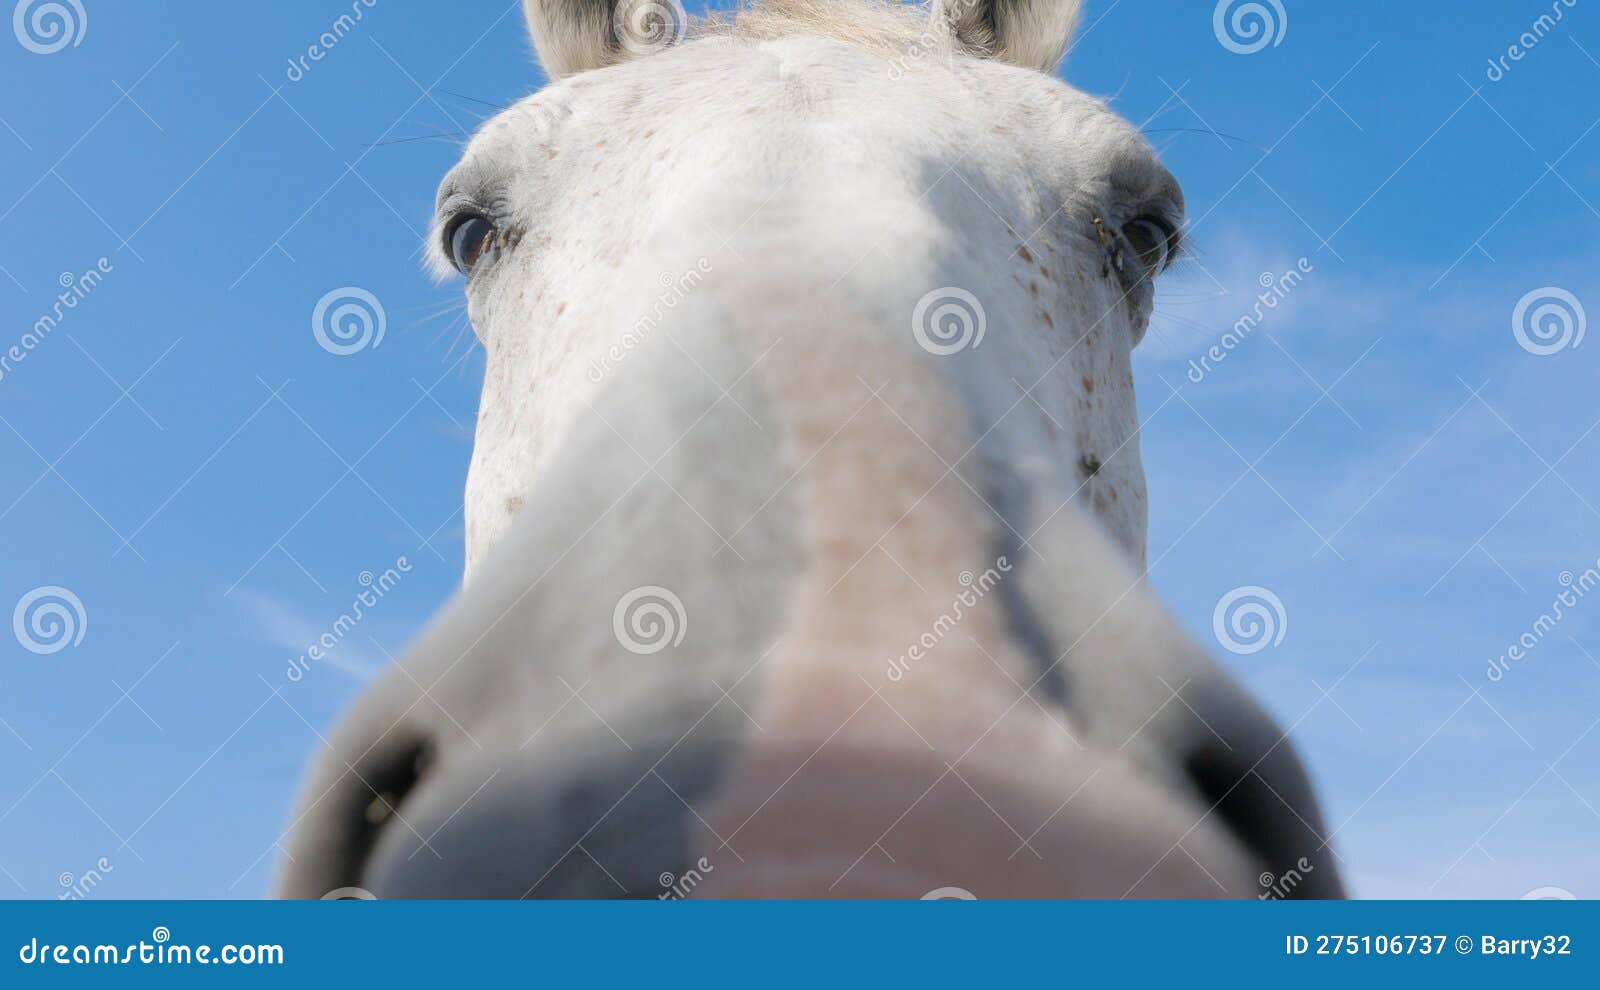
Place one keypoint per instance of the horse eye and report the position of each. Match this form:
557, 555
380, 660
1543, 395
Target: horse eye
1152, 239
468, 238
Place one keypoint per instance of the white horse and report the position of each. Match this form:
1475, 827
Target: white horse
806, 520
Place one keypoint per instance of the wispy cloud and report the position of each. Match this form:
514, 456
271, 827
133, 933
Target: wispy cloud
296, 632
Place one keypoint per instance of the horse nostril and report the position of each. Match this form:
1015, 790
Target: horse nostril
390, 784
1231, 791
349, 816
1270, 817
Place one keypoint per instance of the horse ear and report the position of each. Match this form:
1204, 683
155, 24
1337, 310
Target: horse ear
577, 35
571, 35
1029, 33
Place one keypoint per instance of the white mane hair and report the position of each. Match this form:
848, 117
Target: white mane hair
573, 35
881, 25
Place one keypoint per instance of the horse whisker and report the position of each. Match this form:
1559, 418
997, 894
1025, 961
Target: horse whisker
457, 137
474, 99
1212, 132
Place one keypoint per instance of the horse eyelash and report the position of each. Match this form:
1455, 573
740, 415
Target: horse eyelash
1179, 250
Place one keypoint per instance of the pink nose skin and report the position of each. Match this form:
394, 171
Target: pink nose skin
836, 822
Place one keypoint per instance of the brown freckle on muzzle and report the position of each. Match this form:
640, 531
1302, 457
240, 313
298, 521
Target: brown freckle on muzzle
514, 504
1089, 464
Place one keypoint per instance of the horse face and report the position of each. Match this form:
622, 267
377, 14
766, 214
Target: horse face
951, 194
806, 515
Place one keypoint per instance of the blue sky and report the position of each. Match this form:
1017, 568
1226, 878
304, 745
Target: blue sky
210, 484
